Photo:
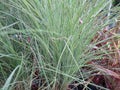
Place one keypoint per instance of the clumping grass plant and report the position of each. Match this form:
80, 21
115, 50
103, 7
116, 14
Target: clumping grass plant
48, 41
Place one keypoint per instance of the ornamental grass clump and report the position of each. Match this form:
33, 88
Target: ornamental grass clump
45, 43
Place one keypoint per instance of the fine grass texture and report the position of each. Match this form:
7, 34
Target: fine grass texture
49, 37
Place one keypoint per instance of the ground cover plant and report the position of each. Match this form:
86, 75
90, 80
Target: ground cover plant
55, 44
